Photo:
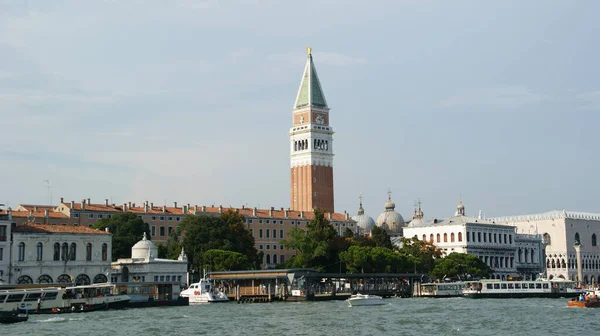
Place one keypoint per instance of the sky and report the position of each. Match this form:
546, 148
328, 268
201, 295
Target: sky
494, 102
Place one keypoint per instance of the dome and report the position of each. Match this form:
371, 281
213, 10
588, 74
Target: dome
364, 222
418, 221
390, 220
144, 249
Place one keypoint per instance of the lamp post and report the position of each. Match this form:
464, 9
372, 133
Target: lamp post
577, 247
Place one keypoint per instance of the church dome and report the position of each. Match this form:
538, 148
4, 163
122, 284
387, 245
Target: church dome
363, 221
390, 220
144, 249
416, 222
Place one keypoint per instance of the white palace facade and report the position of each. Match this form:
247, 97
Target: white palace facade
560, 230
499, 246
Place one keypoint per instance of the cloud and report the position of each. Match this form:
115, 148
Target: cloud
500, 97
590, 100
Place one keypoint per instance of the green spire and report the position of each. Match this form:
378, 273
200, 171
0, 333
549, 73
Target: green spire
310, 92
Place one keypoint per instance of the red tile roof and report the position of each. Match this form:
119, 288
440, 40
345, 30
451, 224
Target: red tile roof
45, 228
39, 214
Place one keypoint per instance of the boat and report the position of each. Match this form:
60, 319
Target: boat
203, 292
540, 288
365, 300
152, 294
442, 289
588, 300
13, 316
60, 300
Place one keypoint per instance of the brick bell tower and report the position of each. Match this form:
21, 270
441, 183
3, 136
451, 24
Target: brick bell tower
311, 146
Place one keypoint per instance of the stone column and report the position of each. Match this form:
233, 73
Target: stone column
579, 270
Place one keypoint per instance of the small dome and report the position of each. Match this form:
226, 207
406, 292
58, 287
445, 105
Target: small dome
418, 221
460, 205
364, 222
390, 220
144, 249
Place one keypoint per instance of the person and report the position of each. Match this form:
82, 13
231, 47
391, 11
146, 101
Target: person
39, 303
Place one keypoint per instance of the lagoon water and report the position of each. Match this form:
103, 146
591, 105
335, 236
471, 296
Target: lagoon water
412, 316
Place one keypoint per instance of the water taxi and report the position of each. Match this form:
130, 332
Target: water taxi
203, 292
442, 289
52, 300
540, 288
588, 300
365, 300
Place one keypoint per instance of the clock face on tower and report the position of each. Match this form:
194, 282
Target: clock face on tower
319, 119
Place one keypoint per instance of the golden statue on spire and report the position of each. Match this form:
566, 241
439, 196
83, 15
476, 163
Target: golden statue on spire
308, 50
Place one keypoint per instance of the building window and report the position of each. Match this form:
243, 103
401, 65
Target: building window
281, 247
260, 246
162, 230
156, 278
90, 215
267, 231
99, 216
162, 218
39, 251
577, 240
495, 238
250, 221
75, 215
594, 241
251, 232
445, 237
424, 237
281, 222
177, 219
56, 251
1, 253
452, 237
73, 252
431, 238
260, 233
162, 278
153, 217
104, 252
460, 236
268, 259
275, 233
169, 230
153, 230
274, 258
268, 247
88, 252
438, 238
260, 221
2, 232
267, 221
21, 251
490, 237
274, 247
170, 218
64, 252
281, 259
281, 234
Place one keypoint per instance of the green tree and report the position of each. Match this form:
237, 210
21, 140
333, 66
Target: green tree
461, 266
348, 233
380, 237
227, 232
366, 259
172, 248
219, 260
423, 253
317, 246
127, 229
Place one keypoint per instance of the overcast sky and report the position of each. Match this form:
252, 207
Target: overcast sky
191, 101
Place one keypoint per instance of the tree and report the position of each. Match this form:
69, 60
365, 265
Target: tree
219, 260
317, 246
203, 233
348, 233
423, 253
366, 259
380, 237
461, 266
127, 229
172, 248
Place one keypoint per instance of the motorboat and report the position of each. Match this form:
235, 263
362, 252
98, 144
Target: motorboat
203, 292
365, 300
588, 300
52, 300
13, 316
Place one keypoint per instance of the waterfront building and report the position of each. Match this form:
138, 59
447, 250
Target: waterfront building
43, 253
494, 243
311, 146
390, 220
5, 234
364, 223
561, 230
145, 266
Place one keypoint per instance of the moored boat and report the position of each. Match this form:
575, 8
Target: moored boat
365, 300
203, 292
53, 300
442, 289
540, 288
152, 294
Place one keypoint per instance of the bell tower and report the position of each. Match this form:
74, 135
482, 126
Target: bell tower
311, 146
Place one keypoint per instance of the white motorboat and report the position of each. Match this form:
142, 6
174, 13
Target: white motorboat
365, 300
203, 292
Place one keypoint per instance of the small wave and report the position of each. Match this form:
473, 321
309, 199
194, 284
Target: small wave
52, 319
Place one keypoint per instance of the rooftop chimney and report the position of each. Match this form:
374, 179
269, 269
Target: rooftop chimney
185, 210
195, 208
124, 207
243, 207
146, 207
72, 205
347, 215
285, 213
133, 205
89, 201
330, 216
281, 209
301, 214
62, 200
164, 208
106, 229
82, 204
46, 213
35, 208
254, 212
128, 205
30, 212
151, 206
203, 208
106, 202
220, 209
175, 205
271, 212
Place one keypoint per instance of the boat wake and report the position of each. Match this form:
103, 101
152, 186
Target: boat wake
52, 319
